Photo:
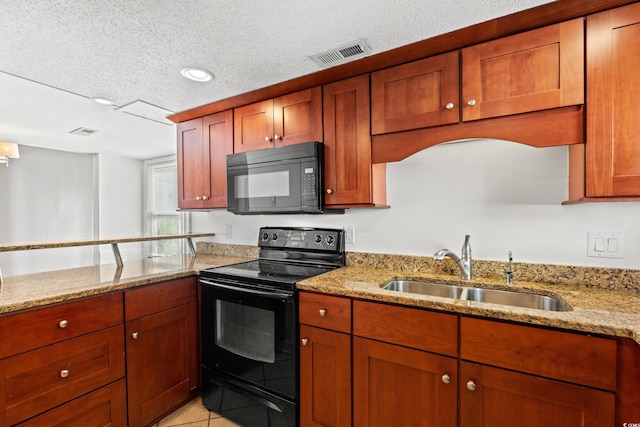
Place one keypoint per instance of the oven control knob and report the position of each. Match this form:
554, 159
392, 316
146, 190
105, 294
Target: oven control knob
330, 239
265, 236
274, 237
318, 238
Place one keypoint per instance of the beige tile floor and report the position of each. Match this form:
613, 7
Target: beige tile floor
193, 414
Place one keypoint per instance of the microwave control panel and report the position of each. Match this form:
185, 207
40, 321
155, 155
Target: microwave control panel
309, 180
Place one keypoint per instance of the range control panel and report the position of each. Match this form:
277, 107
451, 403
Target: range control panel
321, 239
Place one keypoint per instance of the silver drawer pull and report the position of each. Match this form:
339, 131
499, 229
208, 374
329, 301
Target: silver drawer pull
135, 335
63, 323
305, 341
471, 385
446, 379
322, 312
64, 373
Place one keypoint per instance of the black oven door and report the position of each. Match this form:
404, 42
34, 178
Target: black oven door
249, 333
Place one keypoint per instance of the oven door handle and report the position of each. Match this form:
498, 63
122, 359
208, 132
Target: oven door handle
267, 294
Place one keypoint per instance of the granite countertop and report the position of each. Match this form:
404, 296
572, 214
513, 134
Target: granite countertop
39, 289
594, 310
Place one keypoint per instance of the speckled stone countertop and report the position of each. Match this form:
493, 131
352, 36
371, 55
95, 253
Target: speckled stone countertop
594, 309
39, 289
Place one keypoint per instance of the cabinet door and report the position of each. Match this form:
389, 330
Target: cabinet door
162, 362
191, 164
532, 71
347, 142
217, 135
297, 117
613, 88
325, 378
253, 126
416, 95
105, 407
492, 397
402, 387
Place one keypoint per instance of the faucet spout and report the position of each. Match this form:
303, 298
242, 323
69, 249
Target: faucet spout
463, 262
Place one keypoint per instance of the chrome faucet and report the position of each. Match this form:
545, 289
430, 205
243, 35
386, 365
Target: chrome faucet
464, 262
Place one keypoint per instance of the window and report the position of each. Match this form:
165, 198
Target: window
162, 215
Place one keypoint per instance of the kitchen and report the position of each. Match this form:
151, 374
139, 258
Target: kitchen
506, 196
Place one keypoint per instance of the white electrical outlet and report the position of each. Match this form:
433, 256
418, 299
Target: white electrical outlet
605, 244
350, 234
227, 231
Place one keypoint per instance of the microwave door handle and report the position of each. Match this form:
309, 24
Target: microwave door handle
268, 294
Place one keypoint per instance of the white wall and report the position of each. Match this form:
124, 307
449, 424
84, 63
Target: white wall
47, 195
120, 204
507, 196
50, 195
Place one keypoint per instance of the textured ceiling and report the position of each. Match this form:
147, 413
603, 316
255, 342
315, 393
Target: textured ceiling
128, 50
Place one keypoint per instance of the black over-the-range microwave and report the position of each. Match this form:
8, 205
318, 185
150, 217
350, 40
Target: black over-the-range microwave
283, 180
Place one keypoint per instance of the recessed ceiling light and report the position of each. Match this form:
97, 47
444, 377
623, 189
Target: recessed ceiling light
196, 74
103, 101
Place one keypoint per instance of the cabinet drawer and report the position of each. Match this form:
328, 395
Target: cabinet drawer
42, 379
410, 327
37, 328
561, 355
325, 311
156, 298
104, 407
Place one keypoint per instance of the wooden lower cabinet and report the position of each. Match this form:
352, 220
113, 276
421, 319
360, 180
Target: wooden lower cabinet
491, 397
162, 349
402, 387
105, 407
325, 378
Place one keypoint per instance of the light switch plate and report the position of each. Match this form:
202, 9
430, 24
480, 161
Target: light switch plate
605, 244
350, 234
227, 231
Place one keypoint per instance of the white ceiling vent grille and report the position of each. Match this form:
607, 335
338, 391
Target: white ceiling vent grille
342, 54
83, 131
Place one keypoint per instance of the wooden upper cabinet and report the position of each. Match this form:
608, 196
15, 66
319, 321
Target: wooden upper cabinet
531, 71
613, 89
286, 120
349, 174
202, 165
415, 95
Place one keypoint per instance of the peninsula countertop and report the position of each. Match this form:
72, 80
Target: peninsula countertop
594, 310
40, 289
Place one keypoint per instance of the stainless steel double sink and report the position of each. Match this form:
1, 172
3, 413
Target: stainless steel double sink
472, 293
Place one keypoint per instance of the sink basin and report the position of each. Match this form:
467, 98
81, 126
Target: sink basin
470, 293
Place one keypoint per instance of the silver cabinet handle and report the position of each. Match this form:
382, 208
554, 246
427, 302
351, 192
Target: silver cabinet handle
205, 197
267, 138
449, 106
63, 324
471, 102
64, 373
471, 385
329, 191
446, 379
304, 341
135, 335
322, 312
198, 198
277, 137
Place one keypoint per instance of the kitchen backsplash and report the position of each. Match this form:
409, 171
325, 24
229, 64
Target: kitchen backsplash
593, 277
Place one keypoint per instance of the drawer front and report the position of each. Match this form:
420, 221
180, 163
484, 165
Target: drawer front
325, 311
152, 299
42, 379
106, 407
44, 326
561, 355
410, 327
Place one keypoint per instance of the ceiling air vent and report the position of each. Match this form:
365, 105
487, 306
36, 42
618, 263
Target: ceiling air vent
342, 54
83, 131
